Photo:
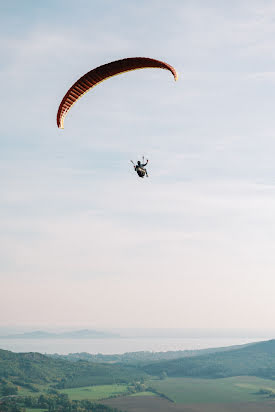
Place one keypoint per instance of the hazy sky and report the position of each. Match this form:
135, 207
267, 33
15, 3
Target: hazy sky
83, 241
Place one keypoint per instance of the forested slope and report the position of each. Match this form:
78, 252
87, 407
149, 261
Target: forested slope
40, 369
257, 360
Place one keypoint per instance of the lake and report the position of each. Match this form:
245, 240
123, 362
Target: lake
118, 345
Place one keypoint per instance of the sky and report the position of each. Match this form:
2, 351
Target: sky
83, 240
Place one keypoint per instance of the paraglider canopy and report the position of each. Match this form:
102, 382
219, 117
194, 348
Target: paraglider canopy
101, 73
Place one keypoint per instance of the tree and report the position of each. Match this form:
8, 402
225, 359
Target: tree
9, 389
163, 375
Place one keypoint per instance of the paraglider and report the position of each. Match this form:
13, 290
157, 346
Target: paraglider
140, 167
101, 73
98, 75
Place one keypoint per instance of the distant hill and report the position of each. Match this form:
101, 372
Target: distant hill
40, 369
143, 357
79, 334
255, 359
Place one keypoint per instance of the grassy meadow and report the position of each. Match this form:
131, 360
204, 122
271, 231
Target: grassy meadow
235, 389
35, 410
95, 393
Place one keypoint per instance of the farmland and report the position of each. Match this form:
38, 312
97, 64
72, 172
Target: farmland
201, 395
156, 404
187, 395
236, 389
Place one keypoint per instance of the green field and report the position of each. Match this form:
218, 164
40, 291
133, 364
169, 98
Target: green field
27, 392
236, 389
36, 410
94, 393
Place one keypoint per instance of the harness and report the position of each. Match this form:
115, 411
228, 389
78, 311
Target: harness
140, 171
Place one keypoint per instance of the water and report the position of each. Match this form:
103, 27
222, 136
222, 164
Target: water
118, 345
